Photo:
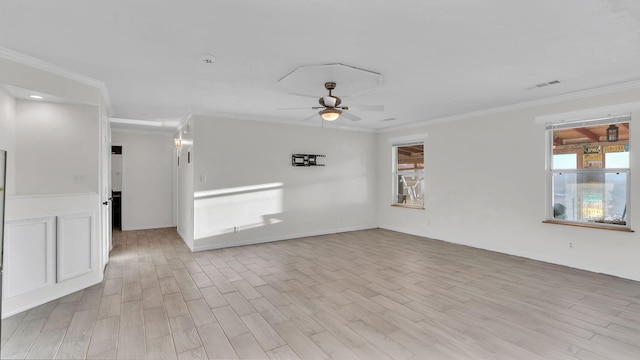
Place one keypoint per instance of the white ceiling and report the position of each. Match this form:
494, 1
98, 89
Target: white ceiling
437, 58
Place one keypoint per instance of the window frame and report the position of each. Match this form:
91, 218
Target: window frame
395, 173
550, 171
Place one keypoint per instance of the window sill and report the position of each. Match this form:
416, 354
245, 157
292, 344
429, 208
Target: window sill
408, 206
603, 227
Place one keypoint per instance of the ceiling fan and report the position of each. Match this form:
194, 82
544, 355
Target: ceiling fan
332, 107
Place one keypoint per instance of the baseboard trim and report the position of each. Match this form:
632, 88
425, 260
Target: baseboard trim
20, 303
227, 244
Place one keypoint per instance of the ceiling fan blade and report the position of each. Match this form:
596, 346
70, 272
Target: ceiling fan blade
368, 107
350, 116
310, 117
304, 108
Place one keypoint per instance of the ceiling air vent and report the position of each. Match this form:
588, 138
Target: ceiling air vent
552, 82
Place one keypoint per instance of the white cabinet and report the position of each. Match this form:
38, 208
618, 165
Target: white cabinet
42, 252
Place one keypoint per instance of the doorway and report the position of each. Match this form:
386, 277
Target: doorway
116, 186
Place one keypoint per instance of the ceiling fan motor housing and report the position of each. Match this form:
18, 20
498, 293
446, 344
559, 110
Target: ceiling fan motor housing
330, 101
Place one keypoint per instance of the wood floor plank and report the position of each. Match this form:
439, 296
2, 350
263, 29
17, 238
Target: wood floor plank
76, 341
112, 286
299, 342
161, 348
371, 294
282, 353
247, 347
131, 291
239, 304
151, 297
23, 337
332, 346
195, 354
216, 342
213, 297
60, 316
104, 339
201, 280
131, 343
268, 311
201, 313
131, 314
175, 305
39, 312
90, 299
156, 323
110, 306
229, 321
185, 335
266, 336
47, 344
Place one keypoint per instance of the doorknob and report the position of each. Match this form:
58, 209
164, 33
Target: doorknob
105, 203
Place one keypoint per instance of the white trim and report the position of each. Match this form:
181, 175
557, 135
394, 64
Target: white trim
592, 113
59, 71
401, 140
20, 303
632, 85
604, 120
227, 244
136, 122
62, 246
184, 120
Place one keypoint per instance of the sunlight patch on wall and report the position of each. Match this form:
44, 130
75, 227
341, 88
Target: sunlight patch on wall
230, 210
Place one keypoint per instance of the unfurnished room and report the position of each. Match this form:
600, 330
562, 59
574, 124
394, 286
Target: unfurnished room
319, 180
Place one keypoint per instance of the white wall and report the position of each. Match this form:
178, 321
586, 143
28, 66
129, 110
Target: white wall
8, 136
244, 180
147, 178
485, 187
116, 172
56, 148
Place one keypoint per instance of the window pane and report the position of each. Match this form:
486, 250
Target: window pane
410, 157
410, 190
616, 198
590, 197
616, 160
565, 161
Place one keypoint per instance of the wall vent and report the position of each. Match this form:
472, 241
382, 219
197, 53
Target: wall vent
552, 82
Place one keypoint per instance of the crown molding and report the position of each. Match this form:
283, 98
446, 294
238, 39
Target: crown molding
604, 90
185, 119
59, 71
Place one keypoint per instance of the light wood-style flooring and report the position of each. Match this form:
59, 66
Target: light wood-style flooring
373, 294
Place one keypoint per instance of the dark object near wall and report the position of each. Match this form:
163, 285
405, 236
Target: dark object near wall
305, 160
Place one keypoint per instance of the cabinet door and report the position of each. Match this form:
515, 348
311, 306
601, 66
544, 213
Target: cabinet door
29, 256
75, 236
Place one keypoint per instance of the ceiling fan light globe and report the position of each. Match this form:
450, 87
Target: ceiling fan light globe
330, 114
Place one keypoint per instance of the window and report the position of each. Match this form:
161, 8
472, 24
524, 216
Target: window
408, 174
588, 172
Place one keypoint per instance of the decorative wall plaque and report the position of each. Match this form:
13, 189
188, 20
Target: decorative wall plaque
305, 160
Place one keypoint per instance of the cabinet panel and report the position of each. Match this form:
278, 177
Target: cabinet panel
29, 255
75, 235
